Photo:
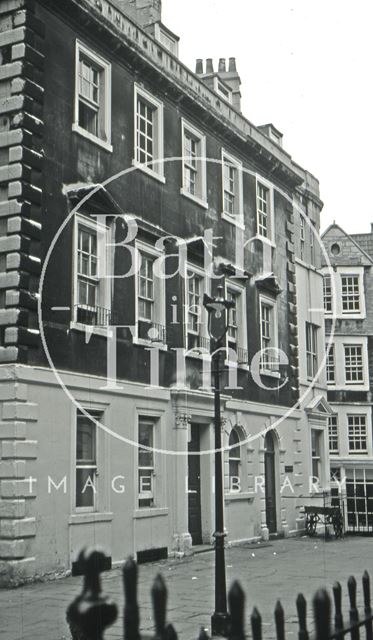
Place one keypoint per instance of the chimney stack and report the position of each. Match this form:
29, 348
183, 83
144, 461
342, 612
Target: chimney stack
230, 77
199, 67
233, 80
209, 66
371, 227
144, 12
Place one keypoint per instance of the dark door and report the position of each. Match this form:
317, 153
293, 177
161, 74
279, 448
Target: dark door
270, 482
194, 486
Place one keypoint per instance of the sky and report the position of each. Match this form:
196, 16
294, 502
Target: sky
306, 66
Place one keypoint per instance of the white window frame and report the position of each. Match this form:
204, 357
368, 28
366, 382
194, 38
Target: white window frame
359, 382
203, 333
159, 296
269, 302
270, 238
105, 68
333, 435
361, 437
318, 456
159, 483
336, 286
312, 232
91, 508
104, 236
237, 218
227, 98
241, 319
302, 238
351, 311
339, 343
327, 293
330, 366
150, 494
236, 459
313, 354
158, 140
200, 198
171, 44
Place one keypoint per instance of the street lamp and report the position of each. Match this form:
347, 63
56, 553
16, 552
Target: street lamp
218, 321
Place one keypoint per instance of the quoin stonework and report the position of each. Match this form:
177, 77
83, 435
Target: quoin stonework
102, 367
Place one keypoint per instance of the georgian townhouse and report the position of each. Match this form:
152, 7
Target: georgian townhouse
130, 187
348, 325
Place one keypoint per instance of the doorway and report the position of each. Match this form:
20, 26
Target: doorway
194, 486
270, 482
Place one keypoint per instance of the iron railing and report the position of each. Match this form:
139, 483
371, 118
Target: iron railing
94, 316
152, 331
92, 612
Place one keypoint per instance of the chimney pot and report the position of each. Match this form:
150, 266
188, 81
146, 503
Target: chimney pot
371, 227
209, 66
199, 66
232, 65
222, 65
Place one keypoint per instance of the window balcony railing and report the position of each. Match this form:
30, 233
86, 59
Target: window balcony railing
198, 342
268, 363
242, 356
152, 331
94, 316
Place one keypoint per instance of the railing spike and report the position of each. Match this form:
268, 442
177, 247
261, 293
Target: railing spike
351, 585
256, 624
367, 607
366, 590
159, 597
203, 635
338, 616
354, 614
321, 607
301, 604
279, 621
236, 601
170, 633
91, 612
131, 619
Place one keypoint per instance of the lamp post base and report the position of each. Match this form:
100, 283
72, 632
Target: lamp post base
220, 624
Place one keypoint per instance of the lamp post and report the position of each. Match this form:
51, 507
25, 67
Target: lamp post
218, 321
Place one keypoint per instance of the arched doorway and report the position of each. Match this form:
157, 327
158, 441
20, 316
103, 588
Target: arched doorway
270, 482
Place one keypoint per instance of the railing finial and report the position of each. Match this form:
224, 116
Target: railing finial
338, 617
279, 621
236, 601
256, 624
131, 618
302, 617
159, 598
321, 607
91, 612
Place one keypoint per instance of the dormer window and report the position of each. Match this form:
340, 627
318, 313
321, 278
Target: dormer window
168, 39
222, 89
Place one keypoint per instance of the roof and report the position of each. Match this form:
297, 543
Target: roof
362, 247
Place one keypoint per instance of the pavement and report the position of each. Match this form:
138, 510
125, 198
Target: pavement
267, 572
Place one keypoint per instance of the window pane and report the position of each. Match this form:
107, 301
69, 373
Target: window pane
85, 478
85, 440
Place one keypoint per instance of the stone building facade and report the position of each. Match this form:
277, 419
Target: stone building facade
348, 288
106, 408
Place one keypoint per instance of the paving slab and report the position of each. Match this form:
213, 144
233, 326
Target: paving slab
279, 570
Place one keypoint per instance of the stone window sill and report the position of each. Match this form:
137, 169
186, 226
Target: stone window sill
89, 518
